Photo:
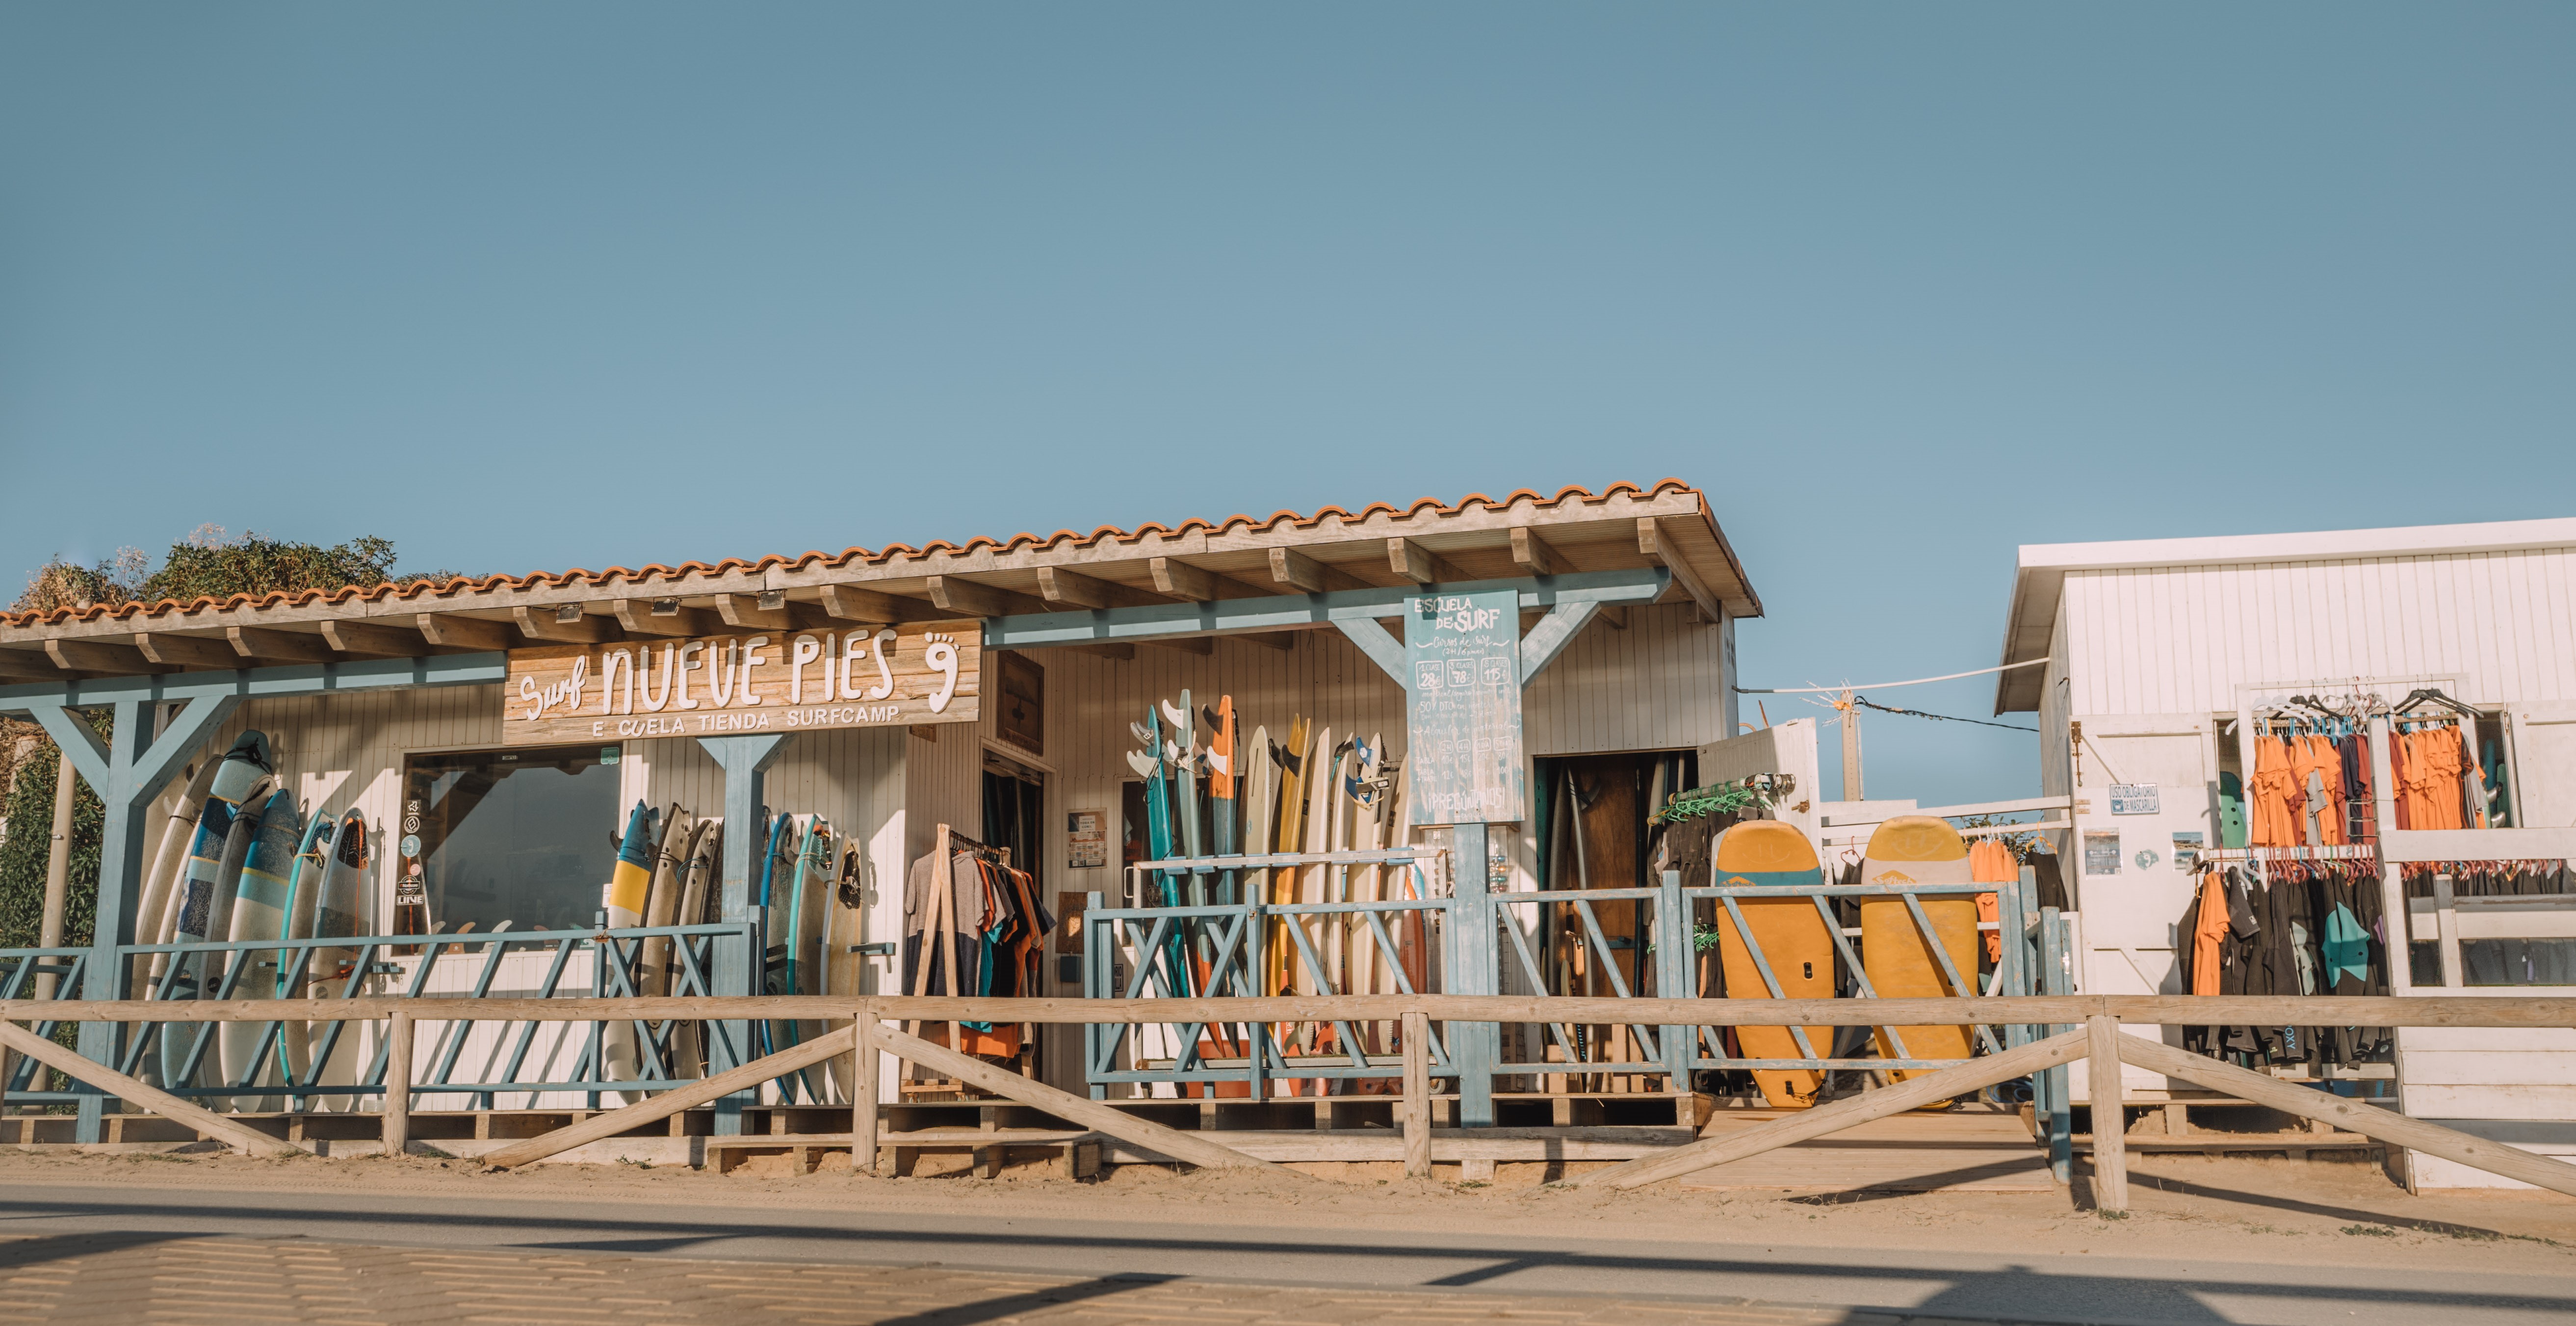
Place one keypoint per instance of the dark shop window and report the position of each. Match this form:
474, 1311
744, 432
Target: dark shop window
527, 836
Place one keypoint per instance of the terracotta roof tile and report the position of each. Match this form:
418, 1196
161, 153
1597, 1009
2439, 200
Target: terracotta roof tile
1105, 534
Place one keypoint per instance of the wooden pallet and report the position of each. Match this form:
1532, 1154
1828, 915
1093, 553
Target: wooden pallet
1079, 1151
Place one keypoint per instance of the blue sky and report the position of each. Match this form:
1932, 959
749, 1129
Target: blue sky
536, 286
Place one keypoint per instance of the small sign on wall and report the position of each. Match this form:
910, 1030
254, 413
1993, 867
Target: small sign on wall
2102, 852
2133, 799
1086, 840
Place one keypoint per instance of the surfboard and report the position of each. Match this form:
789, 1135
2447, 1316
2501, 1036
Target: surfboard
772, 839
295, 966
1796, 944
259, 912
845, 972
1918, 849
246, 765
812, 881
224, 834
706, 851
1259, 792
340, 909
160, 888
662, 900
1288, 837
630, 886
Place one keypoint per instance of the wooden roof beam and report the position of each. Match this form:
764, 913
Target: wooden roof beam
665, 616
1533, 555
1175, 578
478, 633
114, 660
565, 624
187, 651
1419, 564
1291, 567
1659, 550
959, 596
1072, 589
376, 640
768, 611
267, 644
28, 665
853, 603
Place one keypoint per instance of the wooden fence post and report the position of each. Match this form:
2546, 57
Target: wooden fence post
2110, 1121
397, 1125
863, 1093
1417, 1095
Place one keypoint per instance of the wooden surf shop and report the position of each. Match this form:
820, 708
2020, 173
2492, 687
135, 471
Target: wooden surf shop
1443, 746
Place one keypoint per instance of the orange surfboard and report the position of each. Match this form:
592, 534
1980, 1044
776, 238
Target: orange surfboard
1795, 944
1918, 849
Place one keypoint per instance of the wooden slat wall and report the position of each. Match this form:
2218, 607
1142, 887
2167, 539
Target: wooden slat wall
1659, 685
2178, 639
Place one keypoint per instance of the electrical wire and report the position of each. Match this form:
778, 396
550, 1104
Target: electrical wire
1881, 685
1864, 702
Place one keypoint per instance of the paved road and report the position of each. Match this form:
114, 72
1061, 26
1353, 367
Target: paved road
2004, 1285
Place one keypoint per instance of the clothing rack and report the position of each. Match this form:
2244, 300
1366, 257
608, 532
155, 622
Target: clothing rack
941, 930
2345, 852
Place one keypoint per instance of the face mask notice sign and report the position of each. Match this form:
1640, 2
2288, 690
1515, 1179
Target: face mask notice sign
1463, 686
776, 681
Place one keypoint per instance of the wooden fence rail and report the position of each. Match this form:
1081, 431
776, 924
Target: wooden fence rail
2165, 1010
2097, 1019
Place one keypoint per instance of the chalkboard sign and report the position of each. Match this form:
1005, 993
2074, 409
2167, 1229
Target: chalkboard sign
1462, 656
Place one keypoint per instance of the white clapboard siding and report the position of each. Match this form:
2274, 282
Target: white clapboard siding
2167, 639
2452, 1040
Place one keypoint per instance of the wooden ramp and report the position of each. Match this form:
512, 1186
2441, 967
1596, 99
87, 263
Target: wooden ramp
1963, 1150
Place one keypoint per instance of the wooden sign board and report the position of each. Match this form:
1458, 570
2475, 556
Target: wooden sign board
775, 681
1463, 686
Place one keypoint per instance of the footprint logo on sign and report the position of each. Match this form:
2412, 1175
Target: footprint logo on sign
942, 657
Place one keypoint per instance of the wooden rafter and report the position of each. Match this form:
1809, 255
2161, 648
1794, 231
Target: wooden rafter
1654, 547
1418, 564
665, 618
102, 656
456, 632
187, 651
261, 644
375, 640
550, 626
1533, 555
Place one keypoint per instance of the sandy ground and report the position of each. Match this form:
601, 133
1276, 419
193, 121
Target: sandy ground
2202, 1208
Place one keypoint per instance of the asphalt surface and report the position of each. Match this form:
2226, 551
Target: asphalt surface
2003, 1284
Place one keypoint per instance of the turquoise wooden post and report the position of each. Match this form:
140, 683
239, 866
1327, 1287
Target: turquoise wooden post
745, 761
1473, 1046
1673, 954
126, 772
2055, 979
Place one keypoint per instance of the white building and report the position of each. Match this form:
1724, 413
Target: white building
2145, 660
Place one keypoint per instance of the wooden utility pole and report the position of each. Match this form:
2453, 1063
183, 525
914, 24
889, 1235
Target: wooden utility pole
1851, 748
58, 868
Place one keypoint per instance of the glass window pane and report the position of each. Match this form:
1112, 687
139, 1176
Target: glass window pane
527, 836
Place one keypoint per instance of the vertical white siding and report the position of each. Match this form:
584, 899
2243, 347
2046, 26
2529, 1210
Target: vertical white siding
2151, 640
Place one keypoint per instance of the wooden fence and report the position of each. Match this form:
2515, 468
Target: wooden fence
2096, 1034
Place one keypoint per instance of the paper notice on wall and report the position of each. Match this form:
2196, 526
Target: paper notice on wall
2102, 852
1086, 839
